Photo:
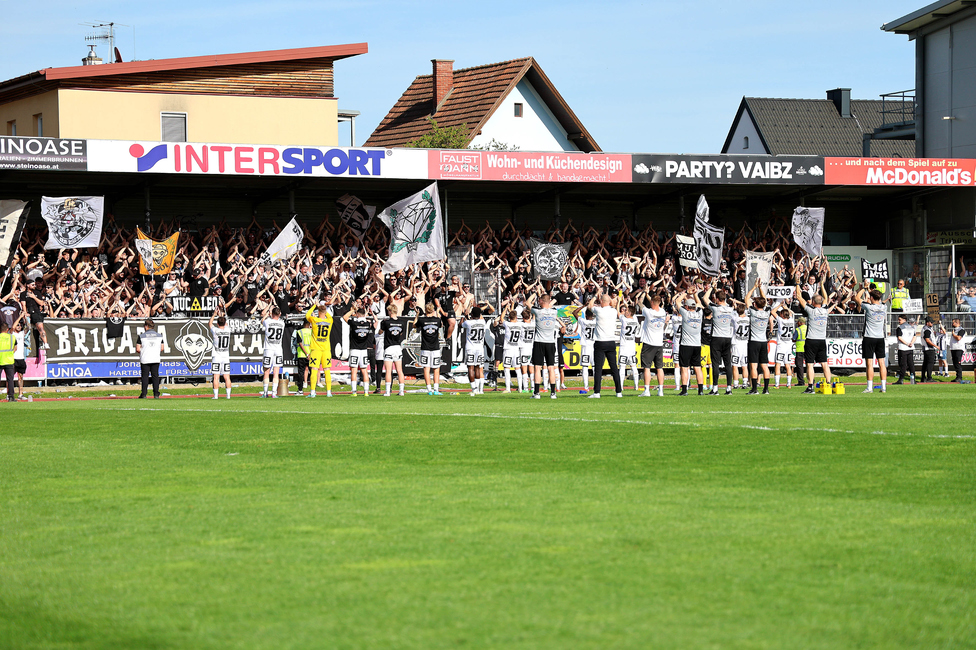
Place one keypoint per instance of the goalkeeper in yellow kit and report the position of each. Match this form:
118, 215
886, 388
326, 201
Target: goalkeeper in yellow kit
320, 355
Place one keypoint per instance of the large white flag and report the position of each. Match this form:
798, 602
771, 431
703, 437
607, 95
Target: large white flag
709, 241
758, 265
73, 221
287, 243
416, 230
808, 226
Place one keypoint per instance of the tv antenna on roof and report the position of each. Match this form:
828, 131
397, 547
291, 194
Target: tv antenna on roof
106, 32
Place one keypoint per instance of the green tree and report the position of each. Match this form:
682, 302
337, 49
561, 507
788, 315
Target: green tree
452, 137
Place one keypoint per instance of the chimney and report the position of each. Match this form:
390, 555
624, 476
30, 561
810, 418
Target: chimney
443, 80
92, 58
842, 100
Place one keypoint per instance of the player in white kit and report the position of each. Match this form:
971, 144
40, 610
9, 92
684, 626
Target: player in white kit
627, 345
740, 347
512, 332
525, 350
783, 356
274, 333
474, 350
652, 340
587, 332
675, 341
220, 356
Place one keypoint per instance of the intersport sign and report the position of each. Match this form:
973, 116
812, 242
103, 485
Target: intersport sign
255, 160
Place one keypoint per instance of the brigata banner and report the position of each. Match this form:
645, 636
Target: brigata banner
927, 172
467, 164
254, 159
728, 169
82, 348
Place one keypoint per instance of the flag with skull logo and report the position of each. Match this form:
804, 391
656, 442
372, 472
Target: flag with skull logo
549, 261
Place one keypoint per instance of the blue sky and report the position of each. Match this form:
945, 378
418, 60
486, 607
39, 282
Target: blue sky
642, 76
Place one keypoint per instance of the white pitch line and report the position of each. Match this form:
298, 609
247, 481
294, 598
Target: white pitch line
537, 417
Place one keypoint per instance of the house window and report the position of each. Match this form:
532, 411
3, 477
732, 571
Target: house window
518, 109
745, 142
173, 127
12, 127
39, 125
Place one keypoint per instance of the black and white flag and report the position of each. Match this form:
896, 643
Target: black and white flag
701, 211
808, 226
287, 243
687, 251
549, 261
355, 214
13, 216
758, 265
709, 240
73, 221
877, 272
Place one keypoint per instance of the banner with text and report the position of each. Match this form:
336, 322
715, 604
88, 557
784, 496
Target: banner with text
466, 164
728, 170
45, 154
687, 251
927, 172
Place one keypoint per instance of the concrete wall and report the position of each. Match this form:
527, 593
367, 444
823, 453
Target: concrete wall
23, 111
258, 120
536, 130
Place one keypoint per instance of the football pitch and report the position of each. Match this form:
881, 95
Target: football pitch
784, 521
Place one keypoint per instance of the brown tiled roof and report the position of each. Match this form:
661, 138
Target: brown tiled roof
475, 95
814, 127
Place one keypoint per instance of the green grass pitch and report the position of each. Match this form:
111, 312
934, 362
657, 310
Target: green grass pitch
787, 521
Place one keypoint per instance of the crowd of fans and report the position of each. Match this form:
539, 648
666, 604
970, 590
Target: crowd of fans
223, 261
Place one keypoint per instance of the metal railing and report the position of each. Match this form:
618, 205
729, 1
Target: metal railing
898, 108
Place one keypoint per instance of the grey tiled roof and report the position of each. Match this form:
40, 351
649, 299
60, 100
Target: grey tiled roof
815, 127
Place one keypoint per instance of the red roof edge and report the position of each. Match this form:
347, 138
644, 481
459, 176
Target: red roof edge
210, 61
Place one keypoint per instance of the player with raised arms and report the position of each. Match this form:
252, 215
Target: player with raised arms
220, 356
429, 326
740, 346
274, 333
785, 327
587, 332
689, 353
547, 326
525, 350
759, 319
723, 326
815, 350
652, 337
511, 336
873, 343
394, 330
627, 345
362, 332
474, 328
320, 360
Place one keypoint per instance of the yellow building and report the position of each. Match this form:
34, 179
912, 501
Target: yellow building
273, 97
